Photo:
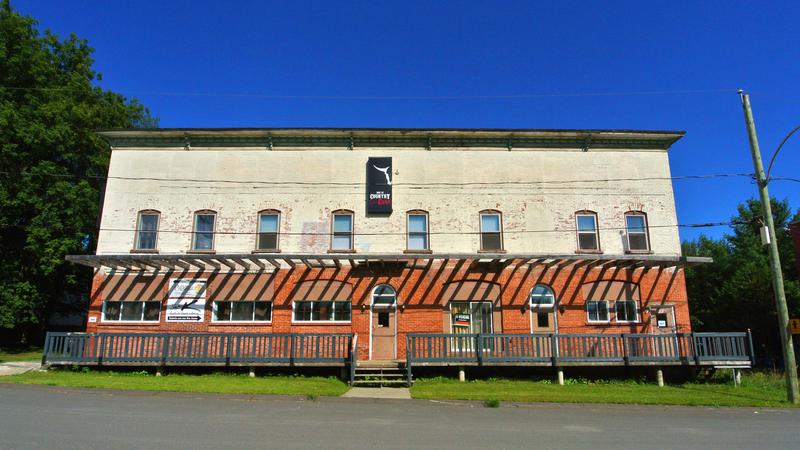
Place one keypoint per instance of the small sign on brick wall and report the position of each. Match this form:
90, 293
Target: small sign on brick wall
187, 300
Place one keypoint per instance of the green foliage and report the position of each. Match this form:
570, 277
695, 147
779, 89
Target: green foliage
49, 110
735, 292
492, 403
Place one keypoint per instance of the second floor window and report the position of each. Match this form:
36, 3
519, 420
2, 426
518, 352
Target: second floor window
203, 237
342, 238
491, 232
268, 223
636, 229
588, 239
417, 231
147, 230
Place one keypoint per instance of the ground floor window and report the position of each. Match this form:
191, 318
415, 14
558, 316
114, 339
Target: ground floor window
471, 317
131, 311
597, 311
242, 311
322, 311
626, 311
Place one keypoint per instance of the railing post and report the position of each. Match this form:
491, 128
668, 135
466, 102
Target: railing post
46, 348
228, 349
164, 350
409, 357
625, 351
479, 348
292, 343
752, 353
554, 347
694, 348
101, 342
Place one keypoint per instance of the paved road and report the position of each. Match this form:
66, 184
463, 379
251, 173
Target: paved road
48, 417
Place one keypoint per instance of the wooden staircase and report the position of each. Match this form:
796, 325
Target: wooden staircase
380, 374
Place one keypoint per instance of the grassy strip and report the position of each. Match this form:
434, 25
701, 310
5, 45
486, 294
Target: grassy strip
757, 389
211, 383
27, 354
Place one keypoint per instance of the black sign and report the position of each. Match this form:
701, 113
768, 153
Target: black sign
379, 185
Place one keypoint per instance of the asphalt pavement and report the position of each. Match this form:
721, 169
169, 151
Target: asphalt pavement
51, 417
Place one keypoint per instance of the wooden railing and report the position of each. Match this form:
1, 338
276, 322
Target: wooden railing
589, 349
198, 348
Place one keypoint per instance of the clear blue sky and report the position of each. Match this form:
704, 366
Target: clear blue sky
378, 49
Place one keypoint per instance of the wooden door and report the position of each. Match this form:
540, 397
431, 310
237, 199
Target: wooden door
384, 332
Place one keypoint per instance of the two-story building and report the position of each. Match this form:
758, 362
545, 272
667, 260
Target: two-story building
383, 233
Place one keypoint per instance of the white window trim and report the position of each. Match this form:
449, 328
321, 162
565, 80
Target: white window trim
195, 232
579, 232
645, 233
137, 237
491, 312
409, 232
539, 306
322, 322
351, 233
382, 305
636, 309
103, 313
260, 322
608, 312
499, 221
277, 231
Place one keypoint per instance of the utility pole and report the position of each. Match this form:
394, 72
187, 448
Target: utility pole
790, 366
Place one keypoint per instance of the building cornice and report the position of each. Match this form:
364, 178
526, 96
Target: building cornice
349, 138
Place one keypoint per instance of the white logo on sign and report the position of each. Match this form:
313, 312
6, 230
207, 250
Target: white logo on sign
385, 171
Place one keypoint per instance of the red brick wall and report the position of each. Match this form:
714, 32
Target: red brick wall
420, 292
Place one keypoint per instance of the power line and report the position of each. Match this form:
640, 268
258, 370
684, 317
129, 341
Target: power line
263, 95
361, 183
306, 233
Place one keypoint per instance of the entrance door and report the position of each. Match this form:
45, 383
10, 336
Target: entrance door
384, 332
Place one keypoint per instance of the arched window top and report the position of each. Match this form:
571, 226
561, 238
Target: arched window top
586, 211
489, 211
149, 211
270, 211
635, 212
384, 295
542, 296
204, 211
416, 211
342, 211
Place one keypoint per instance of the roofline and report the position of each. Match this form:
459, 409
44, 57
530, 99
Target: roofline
400, 137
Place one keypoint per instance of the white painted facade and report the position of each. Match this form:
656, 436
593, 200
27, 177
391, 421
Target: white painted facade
525, 184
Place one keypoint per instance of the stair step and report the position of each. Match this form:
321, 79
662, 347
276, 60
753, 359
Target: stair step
381, 383
386, 375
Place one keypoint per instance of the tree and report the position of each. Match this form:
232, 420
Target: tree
735, 292
49, 109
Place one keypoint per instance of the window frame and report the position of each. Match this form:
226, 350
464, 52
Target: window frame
321, 322
204, 212
635, 311
598, 321
646, 232
490, 212
383, 305
252, 321
418, 212
539, 306
137, 237
470, 304
578, 232
277, 249
103, 318
352, 234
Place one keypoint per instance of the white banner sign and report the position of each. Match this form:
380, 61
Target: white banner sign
186, 301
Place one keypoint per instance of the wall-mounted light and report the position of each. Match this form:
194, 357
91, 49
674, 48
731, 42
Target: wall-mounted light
363, 307
562, 308
402, 307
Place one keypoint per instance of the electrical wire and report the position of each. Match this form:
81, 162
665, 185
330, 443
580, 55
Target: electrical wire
263, 95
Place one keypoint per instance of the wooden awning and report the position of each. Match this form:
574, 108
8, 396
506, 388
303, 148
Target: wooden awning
252, 262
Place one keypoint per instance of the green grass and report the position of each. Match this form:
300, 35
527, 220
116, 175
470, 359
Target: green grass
757, 389
311, 387
23, 354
